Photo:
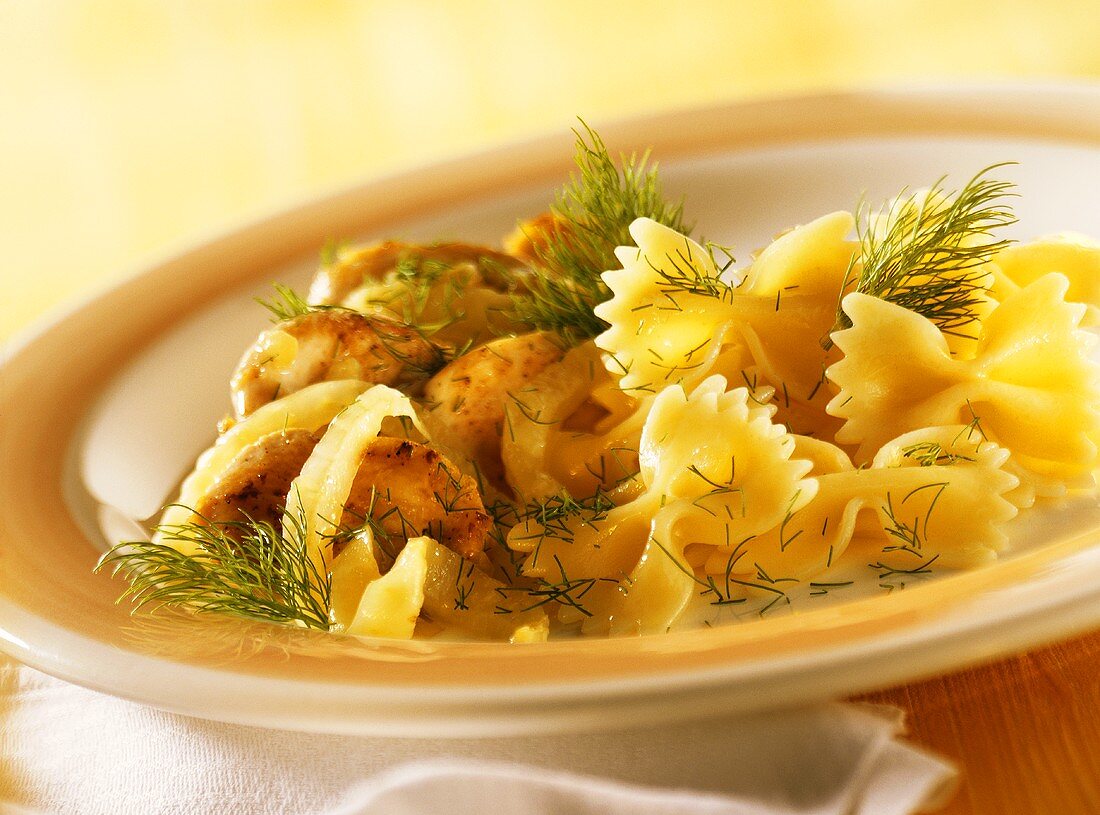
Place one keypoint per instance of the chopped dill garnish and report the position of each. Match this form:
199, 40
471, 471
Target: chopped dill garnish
819, 589
929, 453
925, 252
553, 514
565, 591
689, 278
243, 568
909, 537
724, 595
592, 216
893, 577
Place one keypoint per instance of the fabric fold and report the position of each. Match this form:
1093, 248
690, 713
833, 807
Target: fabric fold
68, 749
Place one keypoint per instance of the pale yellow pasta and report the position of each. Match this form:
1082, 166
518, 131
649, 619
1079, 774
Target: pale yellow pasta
715, 470
943, 496
317, 496
1075, 256
663, 330
801, 276
674, 317
806, 540
390, 604
721, 459
936, 493
1032, 384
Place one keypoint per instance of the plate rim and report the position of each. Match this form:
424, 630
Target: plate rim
702, 690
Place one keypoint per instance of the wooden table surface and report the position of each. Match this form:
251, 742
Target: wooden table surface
1025, 731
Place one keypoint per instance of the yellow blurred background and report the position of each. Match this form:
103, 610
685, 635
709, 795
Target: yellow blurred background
131, 126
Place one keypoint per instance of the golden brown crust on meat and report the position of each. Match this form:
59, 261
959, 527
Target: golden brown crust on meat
256, 483
330, 344
411, 489
469, 396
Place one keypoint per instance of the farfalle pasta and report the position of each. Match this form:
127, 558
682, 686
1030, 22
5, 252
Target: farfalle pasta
1032, 381
675, 317
608, 427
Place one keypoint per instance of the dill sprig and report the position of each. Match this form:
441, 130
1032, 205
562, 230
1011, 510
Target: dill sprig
592, 216
243, 568
909, 537
288, 304
925, 252
724, 595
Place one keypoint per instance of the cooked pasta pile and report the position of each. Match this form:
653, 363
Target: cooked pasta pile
607, 424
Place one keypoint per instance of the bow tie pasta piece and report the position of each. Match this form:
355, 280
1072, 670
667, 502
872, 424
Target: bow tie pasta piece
810, 259
1035, 484
943, 497
720, 472
807, 539
1075, 256
800, 276
1031, 383
668, 312
893, 377
1043, 388
673, 315
723, 458
713, 466
937, 494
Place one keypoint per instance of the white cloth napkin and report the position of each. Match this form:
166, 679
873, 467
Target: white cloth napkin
64, 749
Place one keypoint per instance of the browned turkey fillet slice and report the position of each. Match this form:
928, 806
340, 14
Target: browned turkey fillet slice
255, 484
468, 397
328, 345
410, 489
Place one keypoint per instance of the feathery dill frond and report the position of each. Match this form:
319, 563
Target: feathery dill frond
592, 216
243, 568
925, 252
288, 304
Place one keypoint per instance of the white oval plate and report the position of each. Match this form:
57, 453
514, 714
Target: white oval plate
106, 407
